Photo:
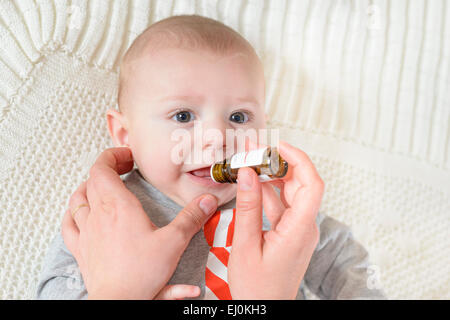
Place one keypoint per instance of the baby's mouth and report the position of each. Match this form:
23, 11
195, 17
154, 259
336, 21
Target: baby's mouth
202, 177
202, 172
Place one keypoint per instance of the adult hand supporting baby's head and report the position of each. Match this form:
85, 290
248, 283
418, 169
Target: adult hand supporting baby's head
271, 264
120, 252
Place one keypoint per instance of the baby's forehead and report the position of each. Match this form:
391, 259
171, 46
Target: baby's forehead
176, 58
183, 35
178, 83
174, 63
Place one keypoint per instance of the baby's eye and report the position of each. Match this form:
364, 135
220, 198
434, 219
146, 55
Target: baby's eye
183, 116
239, 117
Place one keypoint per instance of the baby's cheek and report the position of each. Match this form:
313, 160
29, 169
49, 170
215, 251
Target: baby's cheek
158, 167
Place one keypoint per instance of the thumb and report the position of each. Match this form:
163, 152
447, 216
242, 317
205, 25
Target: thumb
192, 218
248, 224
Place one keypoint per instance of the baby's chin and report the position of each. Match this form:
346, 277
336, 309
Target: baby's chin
222, 197
184, 189
224, 200
224, 192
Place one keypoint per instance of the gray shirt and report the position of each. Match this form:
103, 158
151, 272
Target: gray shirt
338, 268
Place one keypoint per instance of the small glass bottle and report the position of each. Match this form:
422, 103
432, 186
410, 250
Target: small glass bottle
266, 162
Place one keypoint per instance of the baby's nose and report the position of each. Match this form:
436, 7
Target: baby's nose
214, 139
214, 134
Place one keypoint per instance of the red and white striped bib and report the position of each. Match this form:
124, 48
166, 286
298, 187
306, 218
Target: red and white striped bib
219, 234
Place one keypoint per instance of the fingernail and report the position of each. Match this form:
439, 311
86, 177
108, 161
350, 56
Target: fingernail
208, 204
245, 180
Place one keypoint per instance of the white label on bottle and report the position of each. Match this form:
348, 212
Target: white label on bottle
247, 159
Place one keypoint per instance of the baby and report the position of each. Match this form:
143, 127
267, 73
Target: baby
181, 73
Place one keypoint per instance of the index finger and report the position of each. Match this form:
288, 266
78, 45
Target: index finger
106, 171
307, 198
119, 159
301, 166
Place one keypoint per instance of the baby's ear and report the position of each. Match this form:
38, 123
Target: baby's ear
117, 128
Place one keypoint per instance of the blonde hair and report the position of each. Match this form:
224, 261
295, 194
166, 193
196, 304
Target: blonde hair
183, 31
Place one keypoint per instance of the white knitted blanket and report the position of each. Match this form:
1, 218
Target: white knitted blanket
363, 87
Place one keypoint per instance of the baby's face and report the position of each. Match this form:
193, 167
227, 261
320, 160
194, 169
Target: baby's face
184, 91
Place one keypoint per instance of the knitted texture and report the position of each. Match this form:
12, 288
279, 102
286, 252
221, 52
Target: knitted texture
362, 87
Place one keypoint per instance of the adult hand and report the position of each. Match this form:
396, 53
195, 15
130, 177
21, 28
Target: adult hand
271, 264
120, 252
